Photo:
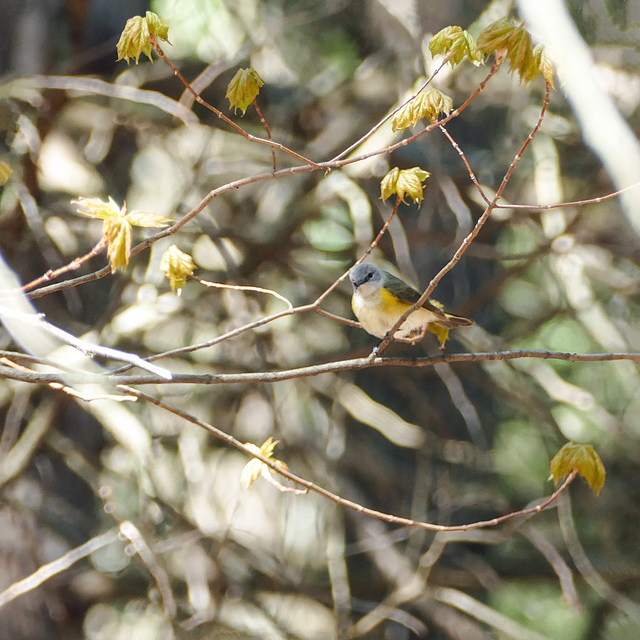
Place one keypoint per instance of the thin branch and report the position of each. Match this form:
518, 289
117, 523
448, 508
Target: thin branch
333, 316
472, 175
561, 205
266, 128
310, 486
139, 544
222, 116
76, 263
309, 371
241, 287
83, 346
236, 184
474, 232
388, 117
57, 566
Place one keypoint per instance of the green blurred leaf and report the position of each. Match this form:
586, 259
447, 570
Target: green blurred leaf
243, 89
581, 458
327, 235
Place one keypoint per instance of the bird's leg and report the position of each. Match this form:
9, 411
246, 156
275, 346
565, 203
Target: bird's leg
416, 338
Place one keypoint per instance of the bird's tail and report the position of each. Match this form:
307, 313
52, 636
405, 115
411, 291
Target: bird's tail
453, 322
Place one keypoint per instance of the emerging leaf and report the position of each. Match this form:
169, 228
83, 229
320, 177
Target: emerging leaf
136, 36
404, 182
96, 208
495, 37
457, 44
157, 26
546, 65
427, 104
118, 233
404, 117
177, 266
433, 103
5, 173
515, 41
255, 468
117, 226
243, 89
581, 458
148, 220
388, 184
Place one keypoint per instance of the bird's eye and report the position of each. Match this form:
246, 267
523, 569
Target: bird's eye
368, 276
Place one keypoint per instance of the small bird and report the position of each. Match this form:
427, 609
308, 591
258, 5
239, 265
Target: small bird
379, 299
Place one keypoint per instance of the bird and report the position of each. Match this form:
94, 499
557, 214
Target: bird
380, 298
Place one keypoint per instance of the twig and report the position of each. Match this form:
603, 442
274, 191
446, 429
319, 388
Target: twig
57, 566
333, 316
240, 287
574, 203
76, 263
306, 372
139, 544
266, 128
474, 232
310, 486
388, 117
83, 346
222, 116
472, 175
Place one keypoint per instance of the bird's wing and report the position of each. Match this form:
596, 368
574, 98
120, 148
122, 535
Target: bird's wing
404, 292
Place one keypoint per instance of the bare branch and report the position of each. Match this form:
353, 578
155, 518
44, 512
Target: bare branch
83, 346
474, 232
310, 486
222, 116
139, 544
241, 287
57, 566
309, 371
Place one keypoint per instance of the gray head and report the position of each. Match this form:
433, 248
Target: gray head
366, 278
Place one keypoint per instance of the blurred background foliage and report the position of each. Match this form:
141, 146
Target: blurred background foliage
447, 444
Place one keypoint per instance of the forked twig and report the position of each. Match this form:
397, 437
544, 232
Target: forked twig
310, 486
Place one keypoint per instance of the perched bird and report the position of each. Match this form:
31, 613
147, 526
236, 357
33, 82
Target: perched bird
379, 299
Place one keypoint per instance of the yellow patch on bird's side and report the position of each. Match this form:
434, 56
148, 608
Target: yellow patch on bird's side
391, 304
380, 311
